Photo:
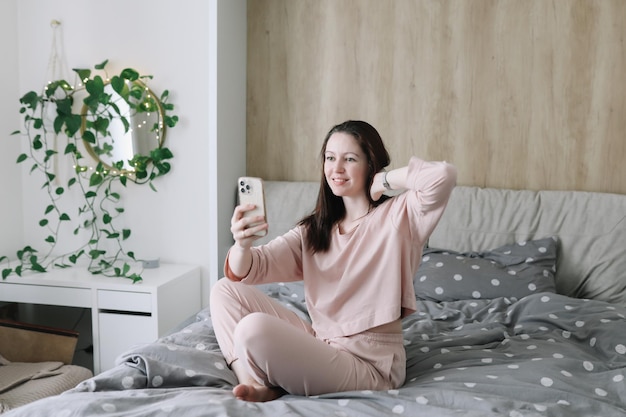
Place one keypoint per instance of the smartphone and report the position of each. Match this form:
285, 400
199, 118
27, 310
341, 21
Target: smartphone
250, 191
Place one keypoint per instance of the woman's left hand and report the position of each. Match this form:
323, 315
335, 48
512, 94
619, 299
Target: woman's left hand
377, 189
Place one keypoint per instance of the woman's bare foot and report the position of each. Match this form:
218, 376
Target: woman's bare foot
257, 393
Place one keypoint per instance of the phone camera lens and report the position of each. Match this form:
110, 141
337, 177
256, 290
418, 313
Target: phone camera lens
241, 183
243, 190
248, 187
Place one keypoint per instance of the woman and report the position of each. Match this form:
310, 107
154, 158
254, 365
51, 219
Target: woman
357, 254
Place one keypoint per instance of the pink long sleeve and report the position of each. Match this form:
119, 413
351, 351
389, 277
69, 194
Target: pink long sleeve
365, 279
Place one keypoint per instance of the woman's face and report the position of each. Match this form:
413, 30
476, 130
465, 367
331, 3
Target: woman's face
345, 165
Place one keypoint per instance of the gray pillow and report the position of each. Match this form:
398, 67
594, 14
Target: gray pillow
512, 271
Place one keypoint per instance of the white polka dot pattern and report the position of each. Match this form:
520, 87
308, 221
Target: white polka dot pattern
541, 355
514, 271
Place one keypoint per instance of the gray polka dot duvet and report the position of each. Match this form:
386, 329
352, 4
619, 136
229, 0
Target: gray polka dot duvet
477, 346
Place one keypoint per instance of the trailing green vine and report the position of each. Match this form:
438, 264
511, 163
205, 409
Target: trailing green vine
103, 103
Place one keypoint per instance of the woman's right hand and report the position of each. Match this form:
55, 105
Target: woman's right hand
243, 228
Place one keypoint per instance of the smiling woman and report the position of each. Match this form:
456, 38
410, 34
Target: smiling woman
345, 166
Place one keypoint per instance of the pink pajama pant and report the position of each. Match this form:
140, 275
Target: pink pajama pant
279, 349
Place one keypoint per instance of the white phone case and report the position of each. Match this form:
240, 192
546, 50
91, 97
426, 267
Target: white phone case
250, 191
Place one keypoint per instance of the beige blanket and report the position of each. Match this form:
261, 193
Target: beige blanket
21, 383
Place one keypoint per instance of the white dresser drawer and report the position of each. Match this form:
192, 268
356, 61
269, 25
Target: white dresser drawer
44, 294
120, 332
125, 301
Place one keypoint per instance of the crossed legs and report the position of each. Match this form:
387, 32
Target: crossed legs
273, 351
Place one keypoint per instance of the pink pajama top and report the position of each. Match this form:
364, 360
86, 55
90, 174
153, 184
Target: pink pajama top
365, 278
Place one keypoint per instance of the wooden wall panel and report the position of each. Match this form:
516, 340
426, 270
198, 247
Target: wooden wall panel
517, 94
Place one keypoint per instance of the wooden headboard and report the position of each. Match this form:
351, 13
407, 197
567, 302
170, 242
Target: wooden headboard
517, 94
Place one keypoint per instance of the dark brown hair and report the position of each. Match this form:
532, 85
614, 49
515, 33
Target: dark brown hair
329, 208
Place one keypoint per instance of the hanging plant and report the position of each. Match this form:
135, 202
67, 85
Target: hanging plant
117, 116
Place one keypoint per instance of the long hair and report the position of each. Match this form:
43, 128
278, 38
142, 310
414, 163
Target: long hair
329, 208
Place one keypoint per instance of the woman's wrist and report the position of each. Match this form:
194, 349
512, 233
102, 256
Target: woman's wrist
395, 179
385, 182
239, 260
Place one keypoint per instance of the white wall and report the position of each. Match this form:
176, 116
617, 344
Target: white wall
227, 118
10, 181
187, 220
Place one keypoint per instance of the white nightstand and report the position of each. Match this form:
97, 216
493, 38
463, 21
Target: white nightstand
123, 314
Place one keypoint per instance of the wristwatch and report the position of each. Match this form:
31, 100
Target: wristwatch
385, 183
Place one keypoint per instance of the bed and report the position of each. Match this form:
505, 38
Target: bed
521, 312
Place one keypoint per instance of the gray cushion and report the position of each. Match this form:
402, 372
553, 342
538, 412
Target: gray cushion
591, 228
514, 271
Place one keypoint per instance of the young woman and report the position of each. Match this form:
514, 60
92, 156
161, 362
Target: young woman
357, 253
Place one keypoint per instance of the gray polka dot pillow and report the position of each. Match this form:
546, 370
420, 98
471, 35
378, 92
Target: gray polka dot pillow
513, 271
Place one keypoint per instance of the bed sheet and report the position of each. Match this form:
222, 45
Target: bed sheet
542, 355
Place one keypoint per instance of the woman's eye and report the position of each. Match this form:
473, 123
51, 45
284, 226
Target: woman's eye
330, 158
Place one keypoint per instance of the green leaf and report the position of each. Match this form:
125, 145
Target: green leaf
83, 74
58, 124
49, 208
163, 168
131, 254
101, 65
89, 137
70, 148
64, 107
118, 84
129, 74
23, 252
22, 158
30, 100
34, 264
90, 194
72, 124
64, 217
50, 239
113, 236
59, 190
106, 218
6, 272
125, 234
43, 222
71, 182
170, 121
101, 125
49, 154
95, 179
160, 154
95, 253
95, 86
74, 257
